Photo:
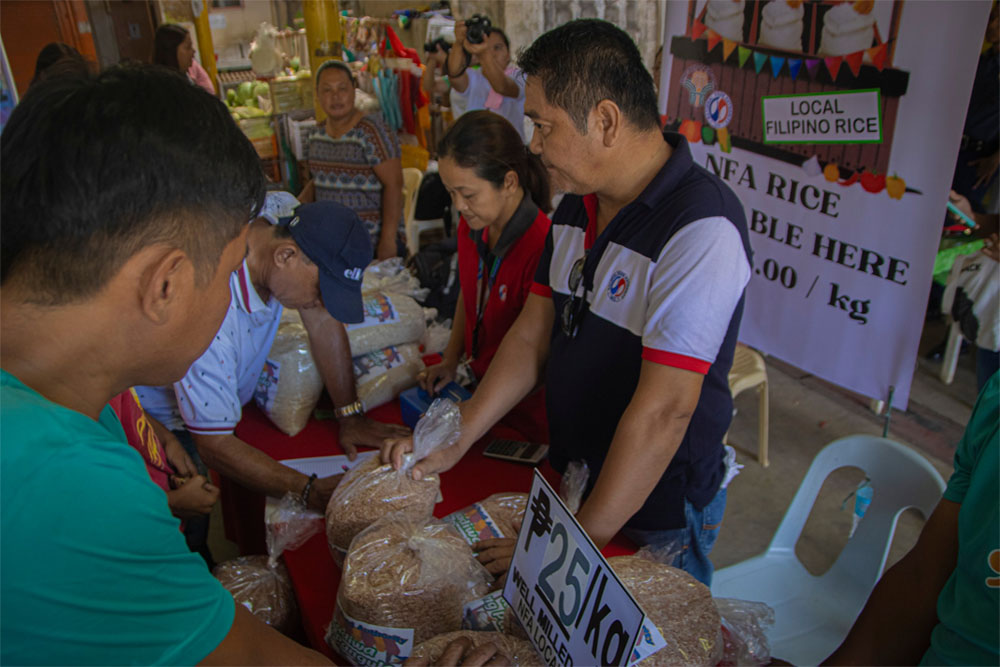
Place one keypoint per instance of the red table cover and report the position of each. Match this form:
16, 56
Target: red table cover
315, 576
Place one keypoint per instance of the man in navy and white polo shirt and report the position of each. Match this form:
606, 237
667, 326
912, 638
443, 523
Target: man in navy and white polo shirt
636, 305
309, 257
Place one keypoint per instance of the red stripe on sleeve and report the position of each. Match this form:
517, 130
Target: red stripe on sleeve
541, 290
676, 360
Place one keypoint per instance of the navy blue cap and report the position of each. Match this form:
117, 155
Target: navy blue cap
335, 239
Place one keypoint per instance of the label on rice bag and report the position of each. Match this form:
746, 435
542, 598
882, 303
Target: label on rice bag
369, 366
649, 642
267, 385
485, 614
367, 644
379, 309
474, 523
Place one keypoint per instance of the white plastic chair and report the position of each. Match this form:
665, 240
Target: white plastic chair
412, 177
814, 614
749, 371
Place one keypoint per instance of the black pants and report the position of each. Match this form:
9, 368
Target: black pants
196, 529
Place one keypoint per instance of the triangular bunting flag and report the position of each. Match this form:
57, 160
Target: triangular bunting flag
758, 61
877, 54
833, 66
812, 66
794, 64
743, 53
728, 46
697, 28
776, 64
854, 62
713, 39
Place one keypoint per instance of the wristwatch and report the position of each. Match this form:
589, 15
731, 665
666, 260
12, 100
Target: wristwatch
349, 410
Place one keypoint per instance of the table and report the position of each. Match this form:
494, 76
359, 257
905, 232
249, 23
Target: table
315, 577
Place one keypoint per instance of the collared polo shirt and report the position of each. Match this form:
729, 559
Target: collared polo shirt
663, 283
209, 399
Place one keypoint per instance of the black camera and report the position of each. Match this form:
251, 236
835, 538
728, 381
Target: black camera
431, 47
477, 28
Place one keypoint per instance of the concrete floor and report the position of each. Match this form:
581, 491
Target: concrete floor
806, 414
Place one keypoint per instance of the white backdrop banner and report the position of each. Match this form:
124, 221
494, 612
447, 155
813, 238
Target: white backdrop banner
838, 126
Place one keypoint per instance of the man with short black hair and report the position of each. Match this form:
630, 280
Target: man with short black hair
122, 221
636, 306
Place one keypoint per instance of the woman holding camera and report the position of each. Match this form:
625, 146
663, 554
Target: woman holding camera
501, 191
496, 85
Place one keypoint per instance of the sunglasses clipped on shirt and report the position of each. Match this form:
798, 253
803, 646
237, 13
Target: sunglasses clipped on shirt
573, 308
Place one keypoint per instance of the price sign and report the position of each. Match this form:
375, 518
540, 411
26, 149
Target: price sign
569, 600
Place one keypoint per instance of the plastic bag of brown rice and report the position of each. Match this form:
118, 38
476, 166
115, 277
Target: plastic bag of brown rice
261, 583
404, 582
373, 489
390, 319
290, 384
370, 491
265, 590
679, 605
515, 651
381, 375
499, 515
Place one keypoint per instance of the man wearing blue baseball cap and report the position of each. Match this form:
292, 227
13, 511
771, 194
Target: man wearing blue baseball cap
309, 257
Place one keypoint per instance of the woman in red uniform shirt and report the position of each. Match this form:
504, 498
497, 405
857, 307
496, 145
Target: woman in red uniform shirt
502, 192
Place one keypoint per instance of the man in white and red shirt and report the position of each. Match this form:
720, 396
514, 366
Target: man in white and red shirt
309, 257
634, 315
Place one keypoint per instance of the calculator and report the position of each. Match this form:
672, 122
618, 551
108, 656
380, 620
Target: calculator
517, 451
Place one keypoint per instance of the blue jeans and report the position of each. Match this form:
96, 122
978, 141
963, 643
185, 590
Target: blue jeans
694, 541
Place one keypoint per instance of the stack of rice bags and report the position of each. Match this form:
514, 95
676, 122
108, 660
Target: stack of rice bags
386, 345
385, 348
406, 576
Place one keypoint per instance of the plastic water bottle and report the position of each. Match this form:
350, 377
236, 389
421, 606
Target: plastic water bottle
862, 499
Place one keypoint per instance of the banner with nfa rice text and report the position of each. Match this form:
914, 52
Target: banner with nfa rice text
837, 124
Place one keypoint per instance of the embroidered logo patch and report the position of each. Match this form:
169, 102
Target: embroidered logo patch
502, 292
618, 286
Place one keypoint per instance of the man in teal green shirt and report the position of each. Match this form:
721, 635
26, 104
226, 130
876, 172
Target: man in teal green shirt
123, 207
940, 603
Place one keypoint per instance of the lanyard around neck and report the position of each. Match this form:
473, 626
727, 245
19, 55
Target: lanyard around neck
483, 290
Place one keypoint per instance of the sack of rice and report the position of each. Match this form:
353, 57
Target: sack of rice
290, 384
511, 650
498, 515
679, 605
265, 590
373, 489
404, 582
391, 275
390, 319
381, 375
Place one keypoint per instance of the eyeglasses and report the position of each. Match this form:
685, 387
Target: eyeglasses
574, 306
